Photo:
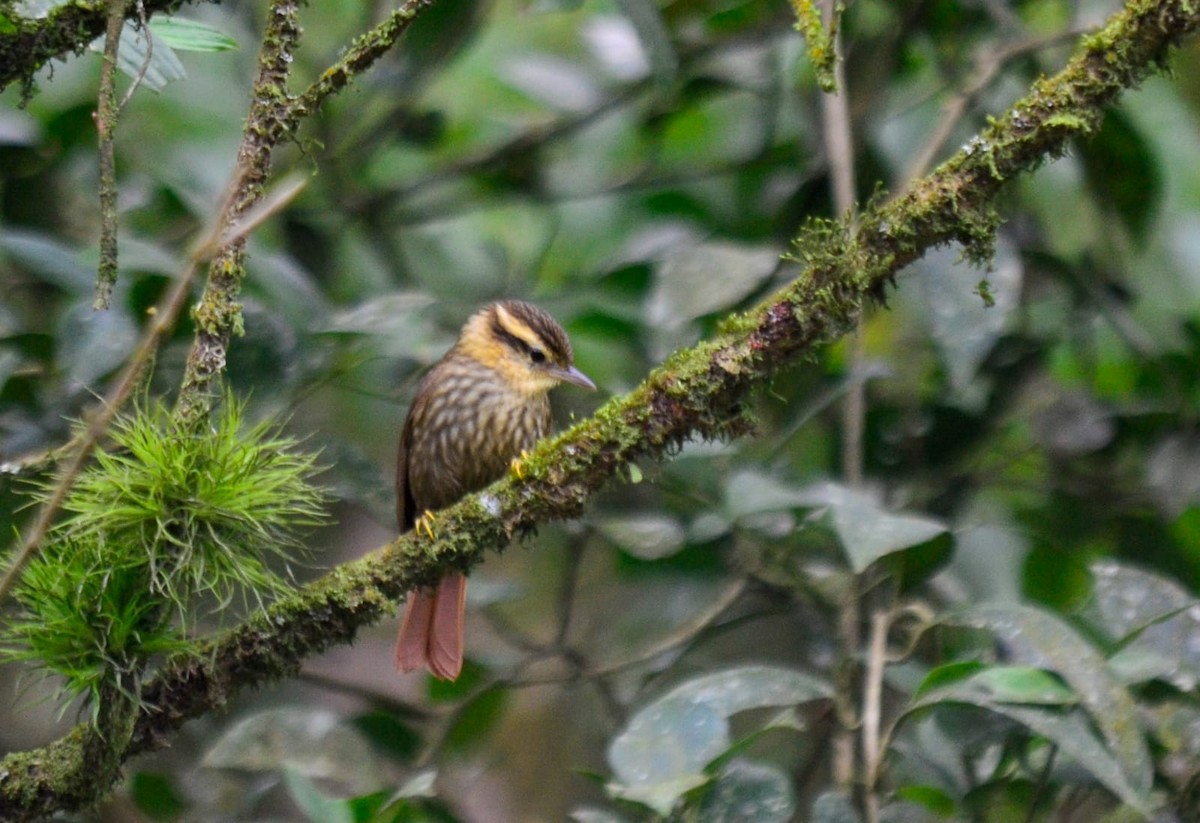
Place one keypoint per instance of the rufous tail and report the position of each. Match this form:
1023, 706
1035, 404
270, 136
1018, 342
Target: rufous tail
432, 632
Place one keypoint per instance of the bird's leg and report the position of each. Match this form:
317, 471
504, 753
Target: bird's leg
424, 523
517, 465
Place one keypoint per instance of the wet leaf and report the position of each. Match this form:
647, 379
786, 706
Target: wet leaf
745, 791
1123, 172
316, 805
869, 533
94, 343
646, 536
1039, 638
161, 68
1073, 424
190, 35
1155, 618
963, 327
694, 280
557, 82
834, 808
647, 21
315, 744
1070, 731
750, 492
1173, 473
398, 323
596, 816
616, 45
51, 260
663, 751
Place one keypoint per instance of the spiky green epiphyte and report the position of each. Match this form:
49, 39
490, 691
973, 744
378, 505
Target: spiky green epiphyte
89, 624
164, 515
205, 510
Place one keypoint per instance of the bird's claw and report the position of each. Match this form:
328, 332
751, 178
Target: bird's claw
517, 465
424, 523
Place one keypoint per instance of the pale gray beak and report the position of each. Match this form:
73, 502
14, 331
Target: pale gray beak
573, 375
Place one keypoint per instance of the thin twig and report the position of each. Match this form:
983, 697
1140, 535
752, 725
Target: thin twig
988, 63
669, 642
872, 708
839, 147
1042, 782
106, 127
566, 595
144, 24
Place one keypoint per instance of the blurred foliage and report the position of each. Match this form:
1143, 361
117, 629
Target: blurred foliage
1030, 525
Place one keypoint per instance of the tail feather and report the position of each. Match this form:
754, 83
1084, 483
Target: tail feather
432, 632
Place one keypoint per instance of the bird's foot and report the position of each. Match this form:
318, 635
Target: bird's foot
424, 523
517, 465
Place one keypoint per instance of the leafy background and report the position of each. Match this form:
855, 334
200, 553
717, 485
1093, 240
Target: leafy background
638, 169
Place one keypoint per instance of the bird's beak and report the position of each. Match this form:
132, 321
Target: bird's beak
574, 375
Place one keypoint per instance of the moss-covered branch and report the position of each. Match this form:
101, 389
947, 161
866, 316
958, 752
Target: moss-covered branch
27, 44
274, 117
700, 392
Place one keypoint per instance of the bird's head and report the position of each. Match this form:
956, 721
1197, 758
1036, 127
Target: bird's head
524, 345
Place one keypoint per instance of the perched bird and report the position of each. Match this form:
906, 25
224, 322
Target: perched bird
475, 413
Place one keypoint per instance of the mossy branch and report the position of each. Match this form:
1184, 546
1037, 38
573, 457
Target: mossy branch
700, 392
274, 117
27, 44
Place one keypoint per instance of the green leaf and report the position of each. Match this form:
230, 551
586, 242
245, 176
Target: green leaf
139, 56
388, 734
477, 719
190, 35
929, 797
1054, 578
832, 807
746, 791
155, 795
1124, 173
313, 744
652, 31
697, 279
1002, 684
1070, 731
663, 751
646, 536
962, 325
316, 805
944, 675
869, 533
1153, 616
1039, 638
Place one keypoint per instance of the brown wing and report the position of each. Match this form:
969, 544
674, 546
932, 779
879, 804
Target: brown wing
406, 507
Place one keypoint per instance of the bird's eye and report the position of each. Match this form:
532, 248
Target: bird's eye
537, 355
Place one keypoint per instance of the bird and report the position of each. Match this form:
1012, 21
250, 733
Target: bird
475, 415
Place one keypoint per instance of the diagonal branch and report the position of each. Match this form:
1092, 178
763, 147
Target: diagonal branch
699, 392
